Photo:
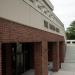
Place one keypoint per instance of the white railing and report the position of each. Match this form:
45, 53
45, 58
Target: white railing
70, 41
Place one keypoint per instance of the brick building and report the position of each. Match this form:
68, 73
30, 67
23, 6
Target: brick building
31, 35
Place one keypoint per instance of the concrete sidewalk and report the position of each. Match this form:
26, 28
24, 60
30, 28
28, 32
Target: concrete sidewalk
31, 72
66, 69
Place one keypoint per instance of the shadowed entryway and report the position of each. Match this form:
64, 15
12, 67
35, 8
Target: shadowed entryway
19, 58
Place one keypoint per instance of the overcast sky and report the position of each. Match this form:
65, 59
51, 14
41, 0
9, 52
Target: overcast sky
65, 10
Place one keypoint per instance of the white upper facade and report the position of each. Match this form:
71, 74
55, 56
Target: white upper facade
34, 13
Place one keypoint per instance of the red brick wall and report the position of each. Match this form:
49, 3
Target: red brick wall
56, 59
44, 58
14, 32
38, 58
0, 60
62, 51
41, 58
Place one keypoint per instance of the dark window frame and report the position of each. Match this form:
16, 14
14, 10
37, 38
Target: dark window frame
52, 27
31, 1
57, 30
45, 24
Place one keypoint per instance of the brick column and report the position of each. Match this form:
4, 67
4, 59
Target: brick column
62, 51
56, 63
0, 60
41, 58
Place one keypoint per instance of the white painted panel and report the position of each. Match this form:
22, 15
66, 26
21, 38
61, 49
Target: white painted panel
36, 19
70, 53
15, 10
21, 12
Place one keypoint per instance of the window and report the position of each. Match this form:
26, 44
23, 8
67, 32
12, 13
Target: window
52, 27
57, 30
18, 59
39, 7
19, 50
31, 1
50, 15
45, 12
45, 24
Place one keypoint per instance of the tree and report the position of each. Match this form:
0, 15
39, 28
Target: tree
70, 32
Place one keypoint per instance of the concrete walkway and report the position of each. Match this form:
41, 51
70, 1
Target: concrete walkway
31, 72
67, 69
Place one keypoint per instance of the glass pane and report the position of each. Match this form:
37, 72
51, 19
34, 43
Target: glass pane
45, 24
18, 60
19, 48
22, 59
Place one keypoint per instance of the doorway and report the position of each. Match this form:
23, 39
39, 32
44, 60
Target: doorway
28, 50
17, 58
23, 57
50, 56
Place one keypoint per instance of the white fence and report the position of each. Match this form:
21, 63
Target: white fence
70, 41
70, 51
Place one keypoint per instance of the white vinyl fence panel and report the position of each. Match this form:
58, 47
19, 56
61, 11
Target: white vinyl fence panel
70, 52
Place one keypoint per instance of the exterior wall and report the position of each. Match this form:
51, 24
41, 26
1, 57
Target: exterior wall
28, 14
14, 32
0, 60
56, 59
41, 58
22, 21
62, 51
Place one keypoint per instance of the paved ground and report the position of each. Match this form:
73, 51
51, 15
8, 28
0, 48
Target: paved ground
64, 73
31, 72
67, 69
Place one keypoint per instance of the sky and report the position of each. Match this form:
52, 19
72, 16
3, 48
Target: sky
65, 11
